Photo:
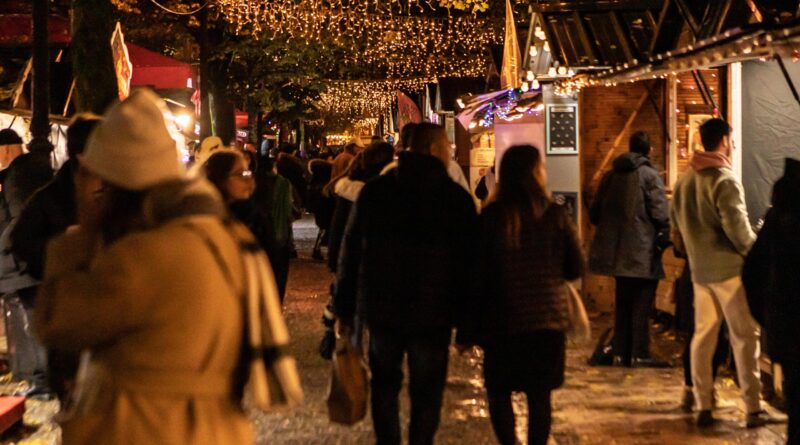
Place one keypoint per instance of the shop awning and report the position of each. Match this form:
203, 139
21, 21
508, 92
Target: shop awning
158, 71
754, 42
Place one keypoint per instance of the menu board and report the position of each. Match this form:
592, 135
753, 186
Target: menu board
562, 129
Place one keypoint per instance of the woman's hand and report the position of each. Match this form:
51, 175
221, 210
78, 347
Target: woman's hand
91, 197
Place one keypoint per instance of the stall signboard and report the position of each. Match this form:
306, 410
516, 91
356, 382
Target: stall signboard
122, 62
562, 129
481, 157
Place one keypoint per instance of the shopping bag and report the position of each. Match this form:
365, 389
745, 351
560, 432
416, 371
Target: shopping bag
580, 330
348, 392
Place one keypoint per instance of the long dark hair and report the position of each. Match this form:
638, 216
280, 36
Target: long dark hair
521, 192
218, 168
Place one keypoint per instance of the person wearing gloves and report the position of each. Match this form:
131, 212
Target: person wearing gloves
137, 286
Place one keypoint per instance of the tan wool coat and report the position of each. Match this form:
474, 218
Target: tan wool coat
165, 332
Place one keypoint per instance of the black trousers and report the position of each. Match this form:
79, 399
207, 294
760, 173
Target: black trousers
540, 414
634, 302
427, 366
791, 392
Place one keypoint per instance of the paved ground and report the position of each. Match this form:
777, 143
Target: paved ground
596, 406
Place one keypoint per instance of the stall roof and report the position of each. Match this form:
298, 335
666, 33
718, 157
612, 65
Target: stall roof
584, 33
15, 30
754, 42
159, 71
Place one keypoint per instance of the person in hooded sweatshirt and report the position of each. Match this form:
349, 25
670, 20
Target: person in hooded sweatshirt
139, 286
712, 227
773, 286
631, 213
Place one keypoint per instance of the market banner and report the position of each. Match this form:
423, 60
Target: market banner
509, 74
122, 63
407, 111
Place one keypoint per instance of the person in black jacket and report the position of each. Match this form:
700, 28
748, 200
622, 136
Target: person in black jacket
632, 218
403, 270
366, 166
528, 250
772, 284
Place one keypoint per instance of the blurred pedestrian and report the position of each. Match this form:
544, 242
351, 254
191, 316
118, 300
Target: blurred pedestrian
319, 204
26, 173
365, 167
402, 270
773, 287
342, 160
712, 227
271, 219
528, 250
138, 286
632, 218
230, 173
49, 212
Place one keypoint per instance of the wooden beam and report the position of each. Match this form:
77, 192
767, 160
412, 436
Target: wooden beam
622, 36
618, 140
596, 5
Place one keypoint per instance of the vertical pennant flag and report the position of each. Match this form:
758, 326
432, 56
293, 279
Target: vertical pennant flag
122, 62
509, 74
407, 111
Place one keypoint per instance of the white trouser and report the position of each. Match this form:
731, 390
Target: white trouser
711, 302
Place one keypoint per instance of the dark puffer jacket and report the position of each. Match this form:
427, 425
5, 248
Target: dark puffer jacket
632, 218
48, 213
522, 289
404, 264
771, 274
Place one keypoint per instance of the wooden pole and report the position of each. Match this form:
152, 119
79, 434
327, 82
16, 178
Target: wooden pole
40, 123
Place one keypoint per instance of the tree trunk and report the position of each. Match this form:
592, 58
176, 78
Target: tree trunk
223, 118
205, 84
93, 65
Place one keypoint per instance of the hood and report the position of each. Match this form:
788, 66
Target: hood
784, 193
703, 160
348, 189
182, 198
630, 161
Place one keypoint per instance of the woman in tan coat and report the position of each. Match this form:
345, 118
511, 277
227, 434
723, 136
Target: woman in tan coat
138, 286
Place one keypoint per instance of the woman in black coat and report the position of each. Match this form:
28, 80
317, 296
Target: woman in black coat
771, 278
528, 250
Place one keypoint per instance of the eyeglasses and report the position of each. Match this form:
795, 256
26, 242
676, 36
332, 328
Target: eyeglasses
244, 174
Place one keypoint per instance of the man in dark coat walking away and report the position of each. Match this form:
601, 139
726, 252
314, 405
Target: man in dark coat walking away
403, 269
632, 218
772, 286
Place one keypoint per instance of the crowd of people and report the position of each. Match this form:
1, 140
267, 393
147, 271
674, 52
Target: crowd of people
126, 262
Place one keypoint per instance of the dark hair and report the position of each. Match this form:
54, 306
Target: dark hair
9, 137
639, 143
78, 132
712, 132
519, 192
371, 161
405, 135
423, 137
218, 168
124, 212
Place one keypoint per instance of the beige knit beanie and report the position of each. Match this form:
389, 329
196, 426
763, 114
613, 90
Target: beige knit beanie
132, 147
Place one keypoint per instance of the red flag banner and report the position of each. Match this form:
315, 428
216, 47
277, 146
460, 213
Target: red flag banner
407, 111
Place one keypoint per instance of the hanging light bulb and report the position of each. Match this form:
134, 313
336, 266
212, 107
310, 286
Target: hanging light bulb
472, 125
546, 46
530, 76
533, 51
525, 87
570, 73
535, 84
460, 103
562, 70
552, 72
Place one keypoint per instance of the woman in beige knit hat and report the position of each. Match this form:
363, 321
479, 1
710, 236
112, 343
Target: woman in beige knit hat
137, 286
